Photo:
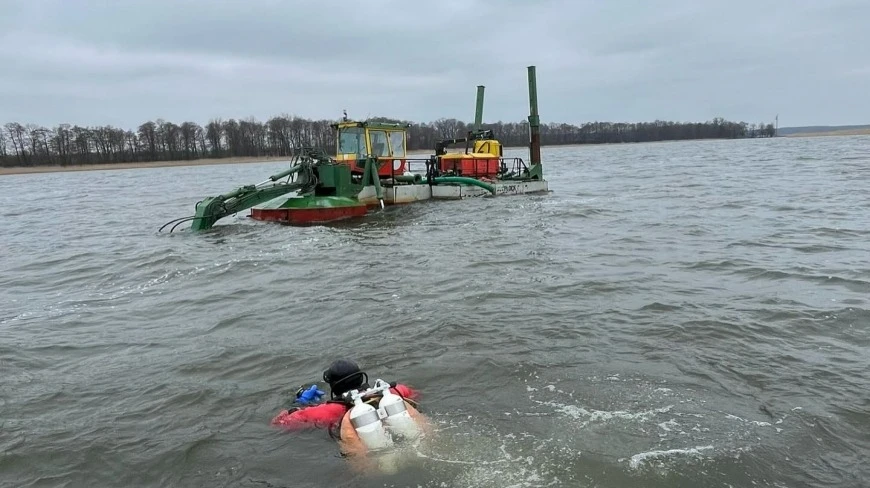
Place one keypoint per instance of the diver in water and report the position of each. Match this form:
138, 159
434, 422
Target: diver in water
360, 416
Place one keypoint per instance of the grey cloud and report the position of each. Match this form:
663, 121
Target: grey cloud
124, 62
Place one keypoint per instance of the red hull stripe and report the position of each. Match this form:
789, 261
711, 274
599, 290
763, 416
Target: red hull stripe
307, 215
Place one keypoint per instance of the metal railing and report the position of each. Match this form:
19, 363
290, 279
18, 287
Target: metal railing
507, 168
513, 168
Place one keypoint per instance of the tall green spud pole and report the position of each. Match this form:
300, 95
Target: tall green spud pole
534, 121
478, 111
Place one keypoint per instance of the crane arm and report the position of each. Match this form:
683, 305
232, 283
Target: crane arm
211, 209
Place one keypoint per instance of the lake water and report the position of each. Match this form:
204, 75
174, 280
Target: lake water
671, 315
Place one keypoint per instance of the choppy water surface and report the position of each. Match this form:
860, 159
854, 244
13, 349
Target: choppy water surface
676, 314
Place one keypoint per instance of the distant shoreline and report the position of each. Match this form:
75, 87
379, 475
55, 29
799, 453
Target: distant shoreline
847, 132
20, 170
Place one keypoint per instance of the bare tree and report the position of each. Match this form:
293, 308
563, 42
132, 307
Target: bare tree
214, 133
2, 146
148, 136
17, 134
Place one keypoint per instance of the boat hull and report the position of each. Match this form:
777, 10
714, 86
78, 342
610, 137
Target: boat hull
309, 210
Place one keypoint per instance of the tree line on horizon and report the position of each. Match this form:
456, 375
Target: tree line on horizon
160, 140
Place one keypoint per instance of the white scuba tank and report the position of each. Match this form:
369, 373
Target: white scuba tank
396, 416
368, 425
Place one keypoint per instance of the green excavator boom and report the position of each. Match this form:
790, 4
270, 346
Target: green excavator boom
212, 209
303, 166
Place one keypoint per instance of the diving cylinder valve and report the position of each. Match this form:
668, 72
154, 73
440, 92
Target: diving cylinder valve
396, 416
368, 425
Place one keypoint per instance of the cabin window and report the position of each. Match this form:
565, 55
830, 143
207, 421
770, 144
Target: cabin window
378, 139
352, 141
397, 144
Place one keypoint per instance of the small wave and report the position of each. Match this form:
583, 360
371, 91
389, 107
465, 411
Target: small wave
715, 265
838, 232
852, 284
638, 459
748, 243
819, 248
659, 307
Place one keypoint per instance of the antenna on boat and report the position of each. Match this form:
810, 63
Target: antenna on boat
344, 118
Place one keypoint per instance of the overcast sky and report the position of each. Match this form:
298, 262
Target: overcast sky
122, 62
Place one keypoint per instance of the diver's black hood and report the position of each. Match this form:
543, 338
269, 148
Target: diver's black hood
344, 375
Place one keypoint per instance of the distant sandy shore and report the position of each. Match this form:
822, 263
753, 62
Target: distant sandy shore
854, 132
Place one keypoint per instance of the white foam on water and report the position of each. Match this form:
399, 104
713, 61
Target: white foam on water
591, 416
755, 422
667, 426
515, 459
664, 429
638, 459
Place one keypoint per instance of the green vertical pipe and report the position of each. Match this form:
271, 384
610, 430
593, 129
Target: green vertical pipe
478, 111
379, 191
367, 172
371, 176
534, 120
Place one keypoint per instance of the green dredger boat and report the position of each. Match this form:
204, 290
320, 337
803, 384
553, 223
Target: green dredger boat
371, 168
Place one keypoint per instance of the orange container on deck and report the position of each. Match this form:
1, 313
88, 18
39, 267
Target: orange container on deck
472, 165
